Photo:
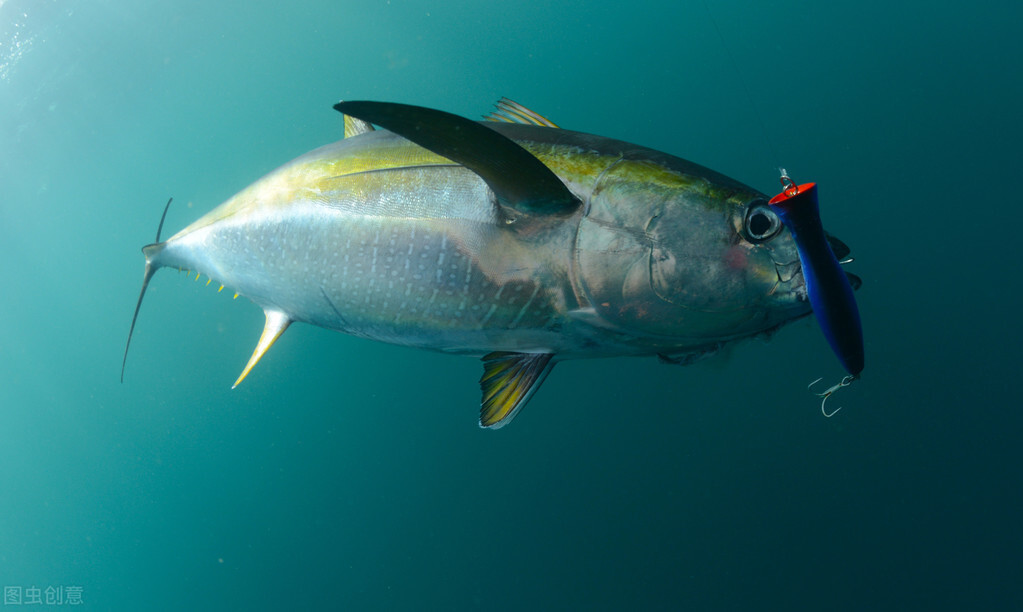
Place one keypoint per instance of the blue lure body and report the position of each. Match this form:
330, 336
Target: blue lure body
827, 286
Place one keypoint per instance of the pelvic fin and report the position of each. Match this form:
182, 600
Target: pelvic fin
508, 381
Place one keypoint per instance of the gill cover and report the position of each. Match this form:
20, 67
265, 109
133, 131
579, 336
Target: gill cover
671, 260
827, 286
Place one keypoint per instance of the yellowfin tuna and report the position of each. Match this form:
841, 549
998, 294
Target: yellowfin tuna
510, 239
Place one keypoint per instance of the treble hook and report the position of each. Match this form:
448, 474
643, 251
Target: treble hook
845, 382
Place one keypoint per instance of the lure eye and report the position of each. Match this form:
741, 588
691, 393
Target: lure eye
761, 222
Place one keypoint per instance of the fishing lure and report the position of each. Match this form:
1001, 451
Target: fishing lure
827, 286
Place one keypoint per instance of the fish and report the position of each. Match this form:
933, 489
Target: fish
509, 239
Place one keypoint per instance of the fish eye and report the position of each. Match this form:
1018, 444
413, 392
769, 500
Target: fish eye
761, 222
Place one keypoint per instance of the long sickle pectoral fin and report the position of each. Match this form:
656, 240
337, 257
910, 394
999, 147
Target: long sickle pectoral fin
508, 381
517, 177
276, 323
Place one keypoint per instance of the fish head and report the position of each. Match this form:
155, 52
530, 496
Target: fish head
687, 262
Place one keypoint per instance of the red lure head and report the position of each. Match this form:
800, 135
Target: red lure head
794, 196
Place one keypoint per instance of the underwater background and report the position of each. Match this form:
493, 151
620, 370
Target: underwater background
346, 474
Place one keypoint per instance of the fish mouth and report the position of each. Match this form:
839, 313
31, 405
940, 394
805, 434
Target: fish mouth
791, 272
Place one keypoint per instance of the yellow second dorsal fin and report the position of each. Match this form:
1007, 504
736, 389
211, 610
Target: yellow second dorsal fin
276, 323
354, 127
510, 111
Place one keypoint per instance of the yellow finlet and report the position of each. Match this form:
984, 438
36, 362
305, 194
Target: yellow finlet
276, 323
235, 297
208, 281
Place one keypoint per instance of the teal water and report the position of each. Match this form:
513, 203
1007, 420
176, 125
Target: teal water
345, 474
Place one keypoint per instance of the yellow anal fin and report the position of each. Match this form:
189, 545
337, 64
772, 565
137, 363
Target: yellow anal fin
510, 111
276, 323
354, 126
508, 381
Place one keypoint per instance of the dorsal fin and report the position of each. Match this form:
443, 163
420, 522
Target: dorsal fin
354, 127
510, 111
518, 179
